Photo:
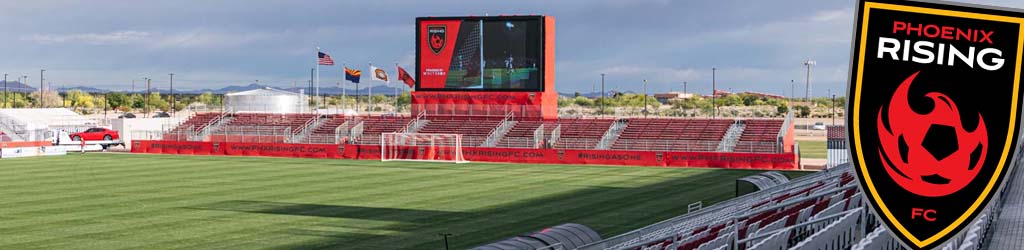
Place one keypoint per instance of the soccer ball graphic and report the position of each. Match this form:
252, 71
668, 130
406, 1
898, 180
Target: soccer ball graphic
929, 154
436, 42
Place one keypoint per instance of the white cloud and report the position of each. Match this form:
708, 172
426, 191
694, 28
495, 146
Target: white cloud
194, 38
115, 37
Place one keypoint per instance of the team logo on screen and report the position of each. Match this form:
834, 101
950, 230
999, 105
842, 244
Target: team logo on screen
933, 115
436, 37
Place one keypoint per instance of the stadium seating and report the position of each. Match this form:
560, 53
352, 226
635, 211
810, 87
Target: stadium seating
812, 207
521, 135
760, 136
581, 133
261, 127
474, 129
327, 130
373, 126
652, 134
672, 134
197, 122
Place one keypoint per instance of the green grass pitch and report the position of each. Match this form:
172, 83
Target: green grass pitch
132, 201
813, 149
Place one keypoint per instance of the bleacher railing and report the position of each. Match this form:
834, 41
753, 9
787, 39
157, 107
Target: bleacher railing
477, 110
251, 133
504, 126
517, 142
716, 212
538, 136
556, 134
577, 143
665, 145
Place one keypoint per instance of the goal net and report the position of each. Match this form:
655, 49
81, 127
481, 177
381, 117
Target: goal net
421, 147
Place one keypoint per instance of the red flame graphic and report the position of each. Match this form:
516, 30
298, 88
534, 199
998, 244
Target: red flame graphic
911, 165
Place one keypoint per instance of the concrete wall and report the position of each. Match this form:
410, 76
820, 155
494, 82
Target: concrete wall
143, 127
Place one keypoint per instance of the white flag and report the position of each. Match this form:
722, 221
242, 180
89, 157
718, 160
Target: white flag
379, 74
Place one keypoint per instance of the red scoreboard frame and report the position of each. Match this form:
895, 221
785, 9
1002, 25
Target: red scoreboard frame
430, 68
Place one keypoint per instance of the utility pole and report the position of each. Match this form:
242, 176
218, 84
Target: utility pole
149, 92
645, 98
173, 101
133, 85
604, 98
833, 110
42, 96
684, 87
714, 88
5, 90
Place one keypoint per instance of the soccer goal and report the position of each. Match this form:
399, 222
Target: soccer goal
421, 147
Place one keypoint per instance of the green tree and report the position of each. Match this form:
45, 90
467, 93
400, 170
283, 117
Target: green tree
157, 103
583, 101
118, 100
802, 111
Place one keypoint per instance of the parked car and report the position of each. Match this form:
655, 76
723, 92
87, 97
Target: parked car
95, 134
818, 126
162, 115
127, 116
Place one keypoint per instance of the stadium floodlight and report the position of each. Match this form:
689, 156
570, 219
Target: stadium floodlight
808, 63
421, 147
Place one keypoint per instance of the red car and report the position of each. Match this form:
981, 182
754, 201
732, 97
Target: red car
95, 134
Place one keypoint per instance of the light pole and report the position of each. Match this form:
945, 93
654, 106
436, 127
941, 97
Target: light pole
5, 90
807, 94
172, 94
42, 96
145, 99
833, 110
603, 97
714, 88
792, 90
684, 87
645, 98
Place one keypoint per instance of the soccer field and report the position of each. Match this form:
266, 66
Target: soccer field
133, 201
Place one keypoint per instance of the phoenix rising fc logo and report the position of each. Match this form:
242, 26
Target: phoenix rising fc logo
929, 154
934, 113
436, 37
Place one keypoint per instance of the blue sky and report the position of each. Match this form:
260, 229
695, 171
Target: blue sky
756, 45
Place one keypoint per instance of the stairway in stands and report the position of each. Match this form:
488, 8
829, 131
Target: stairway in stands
731, 137
499, 131
213, 125
308, 128
612, 134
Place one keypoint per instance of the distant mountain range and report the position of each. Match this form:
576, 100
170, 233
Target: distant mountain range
380, 89
13, 86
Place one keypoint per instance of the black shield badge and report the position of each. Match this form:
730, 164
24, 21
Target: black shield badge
934, 112
436, 37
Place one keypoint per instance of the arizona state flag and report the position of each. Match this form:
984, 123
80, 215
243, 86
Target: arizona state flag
934, 112
352, 75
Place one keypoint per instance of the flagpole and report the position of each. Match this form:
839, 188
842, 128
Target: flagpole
344, 102
396, 90
317, 77
369, 95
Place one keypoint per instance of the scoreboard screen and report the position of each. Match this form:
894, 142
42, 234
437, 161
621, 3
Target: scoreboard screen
503, 53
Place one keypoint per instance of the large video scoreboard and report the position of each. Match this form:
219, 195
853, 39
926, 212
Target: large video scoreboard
486, 60
481, 53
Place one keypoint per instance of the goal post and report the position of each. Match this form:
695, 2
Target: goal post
421, 147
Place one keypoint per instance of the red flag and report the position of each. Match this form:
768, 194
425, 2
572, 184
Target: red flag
405, 77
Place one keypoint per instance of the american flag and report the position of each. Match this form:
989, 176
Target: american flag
325, 59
